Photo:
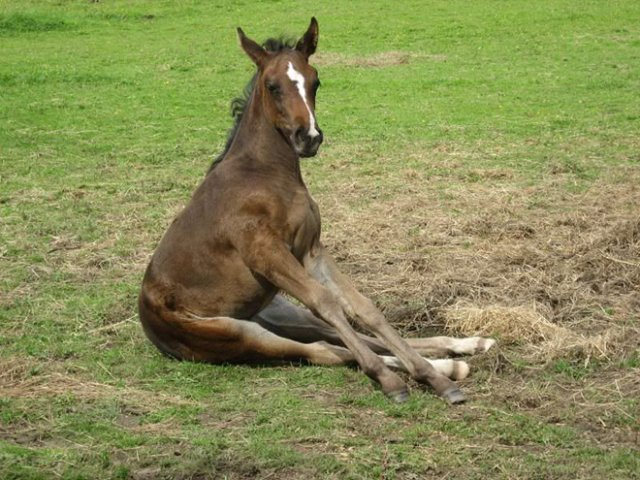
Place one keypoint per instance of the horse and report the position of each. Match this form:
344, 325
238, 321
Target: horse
214, 289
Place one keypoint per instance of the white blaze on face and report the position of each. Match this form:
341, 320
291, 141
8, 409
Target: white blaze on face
297, 78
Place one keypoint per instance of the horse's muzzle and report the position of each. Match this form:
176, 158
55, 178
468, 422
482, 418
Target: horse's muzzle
305, 144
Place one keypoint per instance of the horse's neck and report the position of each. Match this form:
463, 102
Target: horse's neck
257, 141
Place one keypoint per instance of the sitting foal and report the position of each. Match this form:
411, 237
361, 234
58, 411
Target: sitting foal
252, 230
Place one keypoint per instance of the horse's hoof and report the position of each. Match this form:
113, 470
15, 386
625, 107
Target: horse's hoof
454, 396
484, 344
460, 370
400, 396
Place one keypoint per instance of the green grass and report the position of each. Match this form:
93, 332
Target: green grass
110, 113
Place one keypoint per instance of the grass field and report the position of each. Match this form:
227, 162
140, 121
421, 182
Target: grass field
480, 174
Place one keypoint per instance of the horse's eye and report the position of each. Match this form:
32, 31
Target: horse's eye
274, 88
316, 85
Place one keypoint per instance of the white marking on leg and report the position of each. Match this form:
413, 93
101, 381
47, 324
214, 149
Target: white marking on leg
392, 362
454, 369
471, 345
297, 78
486, 344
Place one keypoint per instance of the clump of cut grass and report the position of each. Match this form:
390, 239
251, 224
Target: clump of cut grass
526, 325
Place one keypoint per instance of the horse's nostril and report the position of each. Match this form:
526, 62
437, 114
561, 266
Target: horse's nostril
300, 134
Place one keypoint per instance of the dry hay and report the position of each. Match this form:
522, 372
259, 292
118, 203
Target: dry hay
523, 325
564, 266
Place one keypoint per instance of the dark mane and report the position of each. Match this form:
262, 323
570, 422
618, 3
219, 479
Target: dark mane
239, 104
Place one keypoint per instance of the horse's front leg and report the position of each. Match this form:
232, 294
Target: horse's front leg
324, 269
267, 256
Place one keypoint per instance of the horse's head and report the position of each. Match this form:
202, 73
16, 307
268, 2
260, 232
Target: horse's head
286, 85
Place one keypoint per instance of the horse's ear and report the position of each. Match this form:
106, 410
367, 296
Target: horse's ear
308, 43
251, 48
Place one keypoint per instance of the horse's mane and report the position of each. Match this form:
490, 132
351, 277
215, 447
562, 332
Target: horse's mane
239, 104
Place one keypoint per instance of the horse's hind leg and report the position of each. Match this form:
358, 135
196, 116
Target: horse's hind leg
225, 339
299, 324
451, 346
288, 320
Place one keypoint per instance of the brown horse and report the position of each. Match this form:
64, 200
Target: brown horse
252, 230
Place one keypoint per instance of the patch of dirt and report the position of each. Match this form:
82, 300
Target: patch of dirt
21, 433
18, 380
601, 407
377, 60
